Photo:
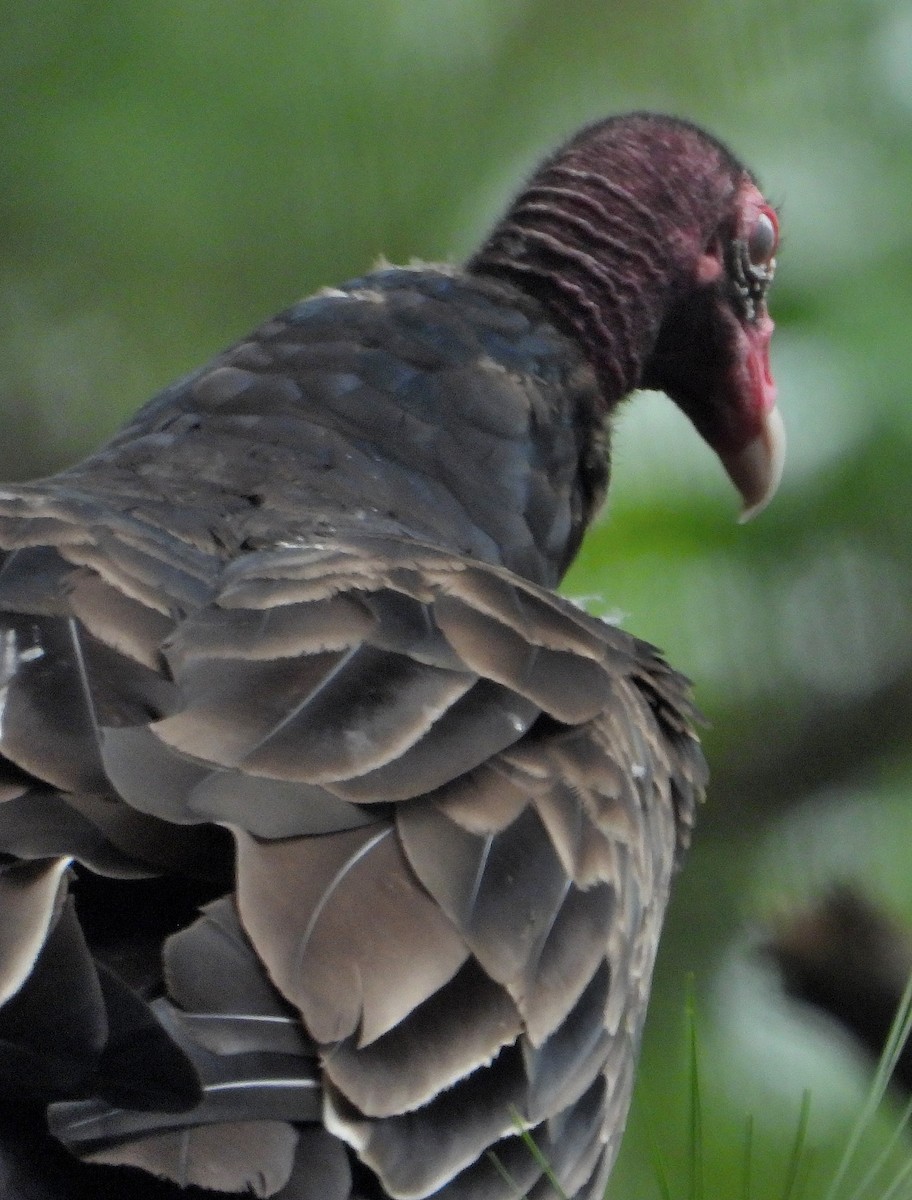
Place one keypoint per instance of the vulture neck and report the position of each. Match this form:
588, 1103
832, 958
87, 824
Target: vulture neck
600, 262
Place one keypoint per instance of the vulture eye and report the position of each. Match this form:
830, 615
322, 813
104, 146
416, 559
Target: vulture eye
763, 238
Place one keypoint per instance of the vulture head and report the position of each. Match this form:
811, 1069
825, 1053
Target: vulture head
652, 245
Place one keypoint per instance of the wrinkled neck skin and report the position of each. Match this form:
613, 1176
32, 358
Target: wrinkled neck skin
608, 251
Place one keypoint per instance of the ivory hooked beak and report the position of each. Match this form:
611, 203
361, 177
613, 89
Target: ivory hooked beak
756, 469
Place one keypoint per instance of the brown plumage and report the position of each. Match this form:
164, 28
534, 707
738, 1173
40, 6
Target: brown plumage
286, 651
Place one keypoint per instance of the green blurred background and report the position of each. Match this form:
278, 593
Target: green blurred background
172, 173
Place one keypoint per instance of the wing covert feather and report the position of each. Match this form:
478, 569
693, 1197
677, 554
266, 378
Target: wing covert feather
348, 935
449, 791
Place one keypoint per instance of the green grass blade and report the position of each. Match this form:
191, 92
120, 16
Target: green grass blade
537, 1154
506, 1176
748, 1160
880, 1163
798, 1149
543, 1163
899, 1032
655, 1151
697, 1189
903, 1175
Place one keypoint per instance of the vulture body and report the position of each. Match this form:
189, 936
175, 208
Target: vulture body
335, 844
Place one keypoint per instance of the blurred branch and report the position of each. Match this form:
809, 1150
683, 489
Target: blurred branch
846, 957
756, 780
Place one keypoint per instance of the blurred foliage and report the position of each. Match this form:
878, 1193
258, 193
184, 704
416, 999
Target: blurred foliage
172, 173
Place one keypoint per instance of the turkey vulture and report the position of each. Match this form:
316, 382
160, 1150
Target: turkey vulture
335, 844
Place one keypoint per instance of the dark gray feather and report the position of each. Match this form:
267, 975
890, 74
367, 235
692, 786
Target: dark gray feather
304, 595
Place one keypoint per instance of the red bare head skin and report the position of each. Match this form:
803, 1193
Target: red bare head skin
651, 244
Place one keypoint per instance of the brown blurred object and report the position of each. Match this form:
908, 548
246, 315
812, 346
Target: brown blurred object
847, 957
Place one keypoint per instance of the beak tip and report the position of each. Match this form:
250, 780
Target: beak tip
757, 469
749, 511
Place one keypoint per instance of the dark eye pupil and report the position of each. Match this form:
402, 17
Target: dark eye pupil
761, 244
